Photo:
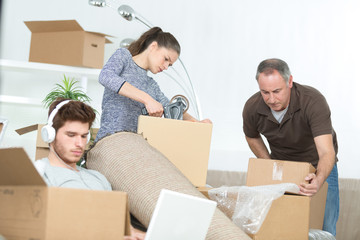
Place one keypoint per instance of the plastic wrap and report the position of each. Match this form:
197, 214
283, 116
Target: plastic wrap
248, 206
315, 234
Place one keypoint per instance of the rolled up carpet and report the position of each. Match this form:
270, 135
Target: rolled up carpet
132, 165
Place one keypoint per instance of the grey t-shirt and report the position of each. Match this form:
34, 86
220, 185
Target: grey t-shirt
64, 177
120, 113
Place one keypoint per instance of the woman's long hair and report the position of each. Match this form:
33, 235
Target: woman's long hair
163, 39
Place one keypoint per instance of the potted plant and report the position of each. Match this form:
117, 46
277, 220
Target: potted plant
67, 90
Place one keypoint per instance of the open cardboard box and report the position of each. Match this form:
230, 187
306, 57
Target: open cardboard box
290, 216
29, 209
186, 144
65, 42
42, 148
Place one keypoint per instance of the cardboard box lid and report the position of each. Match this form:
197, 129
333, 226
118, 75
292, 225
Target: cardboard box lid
270, 171
186, 144
39, 141
17, 169
27, 129
59, 26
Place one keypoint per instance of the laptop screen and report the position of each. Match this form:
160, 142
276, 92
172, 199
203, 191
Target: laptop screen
179, 216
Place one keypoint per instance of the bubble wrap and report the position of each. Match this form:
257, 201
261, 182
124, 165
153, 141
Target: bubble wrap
248, 206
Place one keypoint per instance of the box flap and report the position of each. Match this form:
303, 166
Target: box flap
127, 219
86, 214
271, 171
317, 206
53, 26
27, 129
102, 35
186, 144
17, 169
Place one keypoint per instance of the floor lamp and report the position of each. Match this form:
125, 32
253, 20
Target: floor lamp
129, 14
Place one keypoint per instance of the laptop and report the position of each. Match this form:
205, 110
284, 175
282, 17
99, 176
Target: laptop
179, 216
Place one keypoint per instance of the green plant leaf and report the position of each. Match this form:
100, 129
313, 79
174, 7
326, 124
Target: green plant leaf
67, 89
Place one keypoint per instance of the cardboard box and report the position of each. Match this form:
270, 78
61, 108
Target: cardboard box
269, 171
66, 43
204, 191
42, 148
31, 210
186, 144
290, 216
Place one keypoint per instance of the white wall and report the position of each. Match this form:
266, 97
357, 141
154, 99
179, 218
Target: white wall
222, 44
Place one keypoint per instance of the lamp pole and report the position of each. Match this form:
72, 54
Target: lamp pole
129, 14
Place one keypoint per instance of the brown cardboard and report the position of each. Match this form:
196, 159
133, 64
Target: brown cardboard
270, 171
42, 148
290, 216
204, 191
317, 207
186, 144
31, 210
65, 42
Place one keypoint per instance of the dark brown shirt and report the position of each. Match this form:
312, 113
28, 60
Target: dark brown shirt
307, 117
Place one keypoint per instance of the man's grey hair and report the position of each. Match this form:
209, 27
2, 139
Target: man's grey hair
269, 65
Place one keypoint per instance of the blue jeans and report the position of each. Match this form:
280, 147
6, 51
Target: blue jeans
332, 202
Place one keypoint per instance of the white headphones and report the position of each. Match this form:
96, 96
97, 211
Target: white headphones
48, 133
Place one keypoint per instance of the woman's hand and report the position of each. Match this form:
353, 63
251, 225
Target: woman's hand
154, 108
206, 121
188, 117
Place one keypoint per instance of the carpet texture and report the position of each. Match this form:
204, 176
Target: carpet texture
131, 165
